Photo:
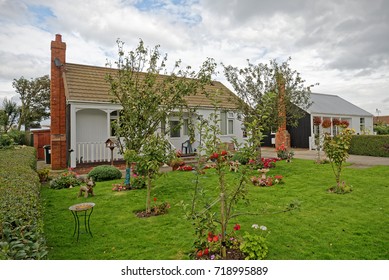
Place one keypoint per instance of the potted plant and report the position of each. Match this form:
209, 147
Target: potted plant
176, 162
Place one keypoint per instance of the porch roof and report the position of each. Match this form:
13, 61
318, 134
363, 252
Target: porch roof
88, 84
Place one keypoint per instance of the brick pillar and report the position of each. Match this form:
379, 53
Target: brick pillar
58, 104
282, 135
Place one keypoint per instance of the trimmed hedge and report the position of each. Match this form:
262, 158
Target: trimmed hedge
370, 145
104, 173
21, 222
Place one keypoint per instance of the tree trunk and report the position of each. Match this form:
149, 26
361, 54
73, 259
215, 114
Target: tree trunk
148, 198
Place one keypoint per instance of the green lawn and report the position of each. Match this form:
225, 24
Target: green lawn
327, 226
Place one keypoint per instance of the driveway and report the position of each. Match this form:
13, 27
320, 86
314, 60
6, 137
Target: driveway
356, 161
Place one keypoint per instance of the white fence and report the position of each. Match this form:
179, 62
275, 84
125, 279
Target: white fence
95, 152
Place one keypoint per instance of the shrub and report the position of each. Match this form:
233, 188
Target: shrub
105, 173
43, 174
381, 129
6, 141
241, 158
65, 180
19, 137
370, 145
21, 228
254, 247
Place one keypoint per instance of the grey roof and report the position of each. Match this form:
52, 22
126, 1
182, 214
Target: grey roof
334, 105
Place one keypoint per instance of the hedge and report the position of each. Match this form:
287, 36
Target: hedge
21, 221
370, 145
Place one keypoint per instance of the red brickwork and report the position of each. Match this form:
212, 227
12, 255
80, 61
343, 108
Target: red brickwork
58, 105
282, 135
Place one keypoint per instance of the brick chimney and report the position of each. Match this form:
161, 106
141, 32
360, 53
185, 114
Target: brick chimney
282, 135
58, 104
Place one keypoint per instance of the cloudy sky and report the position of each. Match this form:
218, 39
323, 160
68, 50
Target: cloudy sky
343, 45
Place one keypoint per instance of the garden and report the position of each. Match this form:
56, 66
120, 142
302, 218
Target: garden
324, 225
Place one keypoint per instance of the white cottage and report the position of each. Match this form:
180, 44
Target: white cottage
80, 131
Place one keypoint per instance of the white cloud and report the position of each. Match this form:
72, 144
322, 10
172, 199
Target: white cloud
342, 45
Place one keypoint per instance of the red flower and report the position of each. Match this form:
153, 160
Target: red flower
224, 153
215, 238
206, 251
237, 227
214, 156
155, 199
200, 254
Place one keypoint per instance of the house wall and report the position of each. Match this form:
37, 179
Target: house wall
354, 123
299, 136
91, 125
205, 114
90, 128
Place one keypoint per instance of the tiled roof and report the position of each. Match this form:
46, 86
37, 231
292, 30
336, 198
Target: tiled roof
86, 83
334, 105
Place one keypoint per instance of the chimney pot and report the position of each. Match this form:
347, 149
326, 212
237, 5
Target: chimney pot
58, 37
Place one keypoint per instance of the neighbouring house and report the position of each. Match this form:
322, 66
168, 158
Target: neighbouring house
82, 113
322, 116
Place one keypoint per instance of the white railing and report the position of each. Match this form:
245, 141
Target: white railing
95, 152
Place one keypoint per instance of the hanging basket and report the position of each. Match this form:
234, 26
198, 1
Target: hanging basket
344, 123
336, 122
326, 123
316, 120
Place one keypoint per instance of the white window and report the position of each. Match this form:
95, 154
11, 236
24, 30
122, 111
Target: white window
175, 129
186, 127
226, 123
113, 119
362, 124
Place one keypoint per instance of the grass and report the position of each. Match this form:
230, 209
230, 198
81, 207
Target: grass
327, 226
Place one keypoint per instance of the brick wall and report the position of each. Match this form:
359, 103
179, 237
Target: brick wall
58, 105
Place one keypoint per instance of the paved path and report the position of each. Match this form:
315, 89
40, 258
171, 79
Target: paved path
356, 161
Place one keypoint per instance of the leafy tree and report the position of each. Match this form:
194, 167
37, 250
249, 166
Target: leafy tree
149, 94
258, 87
8, 114
336, 149
35, 99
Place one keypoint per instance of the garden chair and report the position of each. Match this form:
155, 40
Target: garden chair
186, 147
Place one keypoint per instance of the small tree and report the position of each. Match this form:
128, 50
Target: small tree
35, 99
8, 114
155, 152
149, 94
258, 89
229, 193
336, 149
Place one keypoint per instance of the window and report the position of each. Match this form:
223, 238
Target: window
335, 130
362, 124
175, 129
226, 123
163, 127
186, 127
230, 126
244, 130
113, 118
316, 130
